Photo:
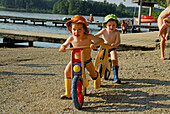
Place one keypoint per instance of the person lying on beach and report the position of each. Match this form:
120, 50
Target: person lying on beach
111, 37
80, 37
162, 25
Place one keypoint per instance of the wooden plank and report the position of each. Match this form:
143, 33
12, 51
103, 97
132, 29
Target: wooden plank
82, 47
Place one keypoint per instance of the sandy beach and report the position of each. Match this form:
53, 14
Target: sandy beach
32, 80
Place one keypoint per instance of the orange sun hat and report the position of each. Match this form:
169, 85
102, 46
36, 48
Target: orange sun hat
77, 19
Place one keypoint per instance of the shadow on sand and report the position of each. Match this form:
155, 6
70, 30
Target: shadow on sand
129, 96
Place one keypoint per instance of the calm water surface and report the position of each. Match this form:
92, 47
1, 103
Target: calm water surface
50, 28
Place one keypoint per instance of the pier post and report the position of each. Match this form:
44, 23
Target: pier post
150, 14
24, 22
5, 20
140, 12
30, 43
8, 41
43, 23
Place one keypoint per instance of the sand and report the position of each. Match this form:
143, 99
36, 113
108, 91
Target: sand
32, 80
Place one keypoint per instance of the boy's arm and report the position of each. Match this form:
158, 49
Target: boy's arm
65, 44
99, 33
168, 33
165, 13
97, 41
162, 29
117, 43
167, 21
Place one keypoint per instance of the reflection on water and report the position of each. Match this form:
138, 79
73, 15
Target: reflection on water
36, 28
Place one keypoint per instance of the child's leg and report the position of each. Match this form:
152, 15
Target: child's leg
115, 66
162, 46
95, 75
68, 81
91, 70
114, 58
167, 33
162, 29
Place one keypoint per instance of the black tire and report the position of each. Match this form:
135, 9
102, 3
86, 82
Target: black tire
76, 91
107, 73
99, 69
85, 92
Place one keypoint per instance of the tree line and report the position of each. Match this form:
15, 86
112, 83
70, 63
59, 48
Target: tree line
72, 7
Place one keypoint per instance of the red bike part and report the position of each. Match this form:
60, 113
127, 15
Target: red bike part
79, 92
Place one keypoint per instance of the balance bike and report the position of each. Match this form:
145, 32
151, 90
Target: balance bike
79, 81
103, 63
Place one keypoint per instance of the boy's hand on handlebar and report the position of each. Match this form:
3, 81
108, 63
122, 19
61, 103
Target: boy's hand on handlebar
92, 46
168, 33
113, 46
62, 49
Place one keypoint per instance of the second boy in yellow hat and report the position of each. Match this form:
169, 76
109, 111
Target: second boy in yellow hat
111, 37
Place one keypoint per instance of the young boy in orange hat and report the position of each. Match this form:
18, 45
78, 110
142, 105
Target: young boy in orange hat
111, 37
80, 37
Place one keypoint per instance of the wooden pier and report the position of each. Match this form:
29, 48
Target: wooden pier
16, 36
133, 41
58, 22
35, 21
131, 27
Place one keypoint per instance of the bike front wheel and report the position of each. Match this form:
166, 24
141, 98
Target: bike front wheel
107, 72
99, 69
76, 91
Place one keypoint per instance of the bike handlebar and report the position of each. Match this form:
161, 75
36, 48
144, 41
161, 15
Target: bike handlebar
82, 47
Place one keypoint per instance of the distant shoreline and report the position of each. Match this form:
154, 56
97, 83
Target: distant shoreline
24, 10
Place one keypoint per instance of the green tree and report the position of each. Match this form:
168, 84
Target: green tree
73, 6
8, 3
61, 7
120, 10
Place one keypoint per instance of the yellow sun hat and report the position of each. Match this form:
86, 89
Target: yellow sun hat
77, 19
108, 17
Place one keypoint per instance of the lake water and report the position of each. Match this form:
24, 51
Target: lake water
50, 28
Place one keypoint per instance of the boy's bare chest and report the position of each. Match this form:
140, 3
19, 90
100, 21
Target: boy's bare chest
109, 38
81, 42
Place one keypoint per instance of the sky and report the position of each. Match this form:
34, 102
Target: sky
126, 3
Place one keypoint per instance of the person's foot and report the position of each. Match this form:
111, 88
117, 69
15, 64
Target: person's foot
157, 40
118, 81
162, 58
64, 97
